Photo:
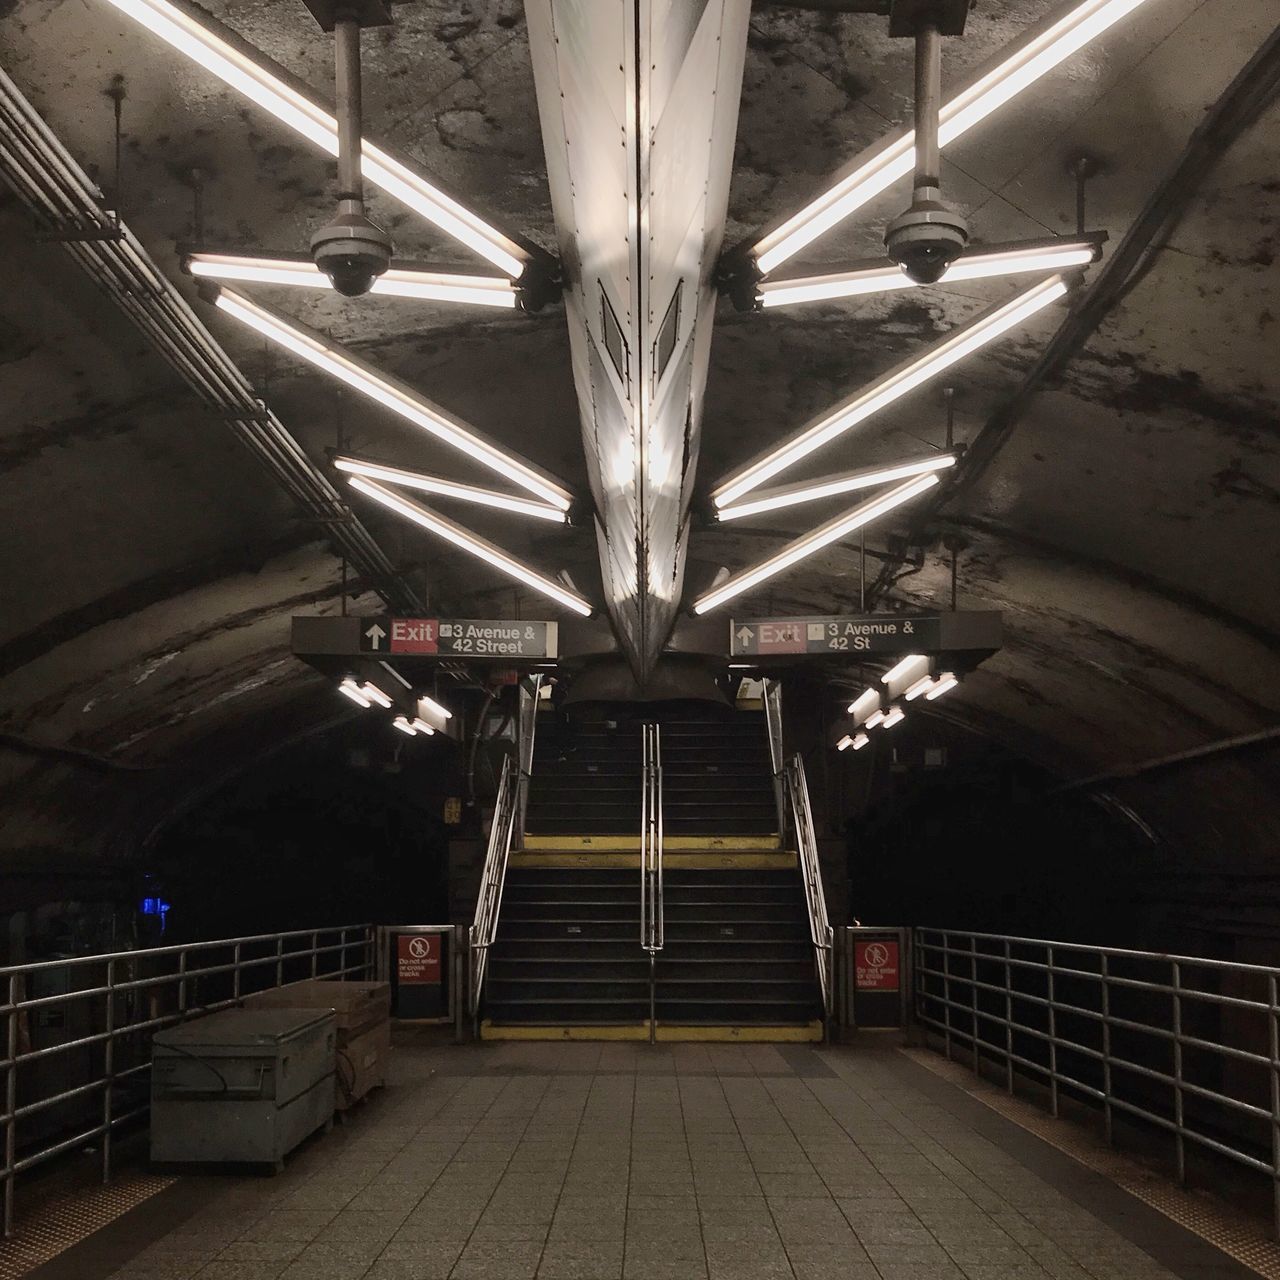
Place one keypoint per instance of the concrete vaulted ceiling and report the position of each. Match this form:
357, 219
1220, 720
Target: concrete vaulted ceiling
1125, 516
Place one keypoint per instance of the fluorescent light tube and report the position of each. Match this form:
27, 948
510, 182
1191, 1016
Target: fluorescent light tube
906, 377
860, 740
404, 726
450, 489
864, 703
947, 680
873, 719
878, 277
894, 716
374, 694
845, 743
423, 727
470, 542
1029, 59
389, 392
811, 490
352, 691
236, 64
823, 536
397, 282
902, 667
923, 685
435, 707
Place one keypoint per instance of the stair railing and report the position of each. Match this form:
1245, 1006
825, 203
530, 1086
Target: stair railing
508, 822
652, 914
777, 762
797, 789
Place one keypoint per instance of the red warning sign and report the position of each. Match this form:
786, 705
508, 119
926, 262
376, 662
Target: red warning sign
877, 965
418, 958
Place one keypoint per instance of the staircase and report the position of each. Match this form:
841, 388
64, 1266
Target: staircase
718, 780
738, 961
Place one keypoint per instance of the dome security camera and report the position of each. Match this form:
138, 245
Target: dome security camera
353, 251
927, 238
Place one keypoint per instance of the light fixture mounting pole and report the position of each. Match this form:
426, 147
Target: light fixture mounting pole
928, 237
352, 250
348, 105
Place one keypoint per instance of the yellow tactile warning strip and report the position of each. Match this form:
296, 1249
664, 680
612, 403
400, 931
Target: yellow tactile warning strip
670, 844
789, 1033
778, 1034
617, 1031
46, 1227
748, 860
1211, 1219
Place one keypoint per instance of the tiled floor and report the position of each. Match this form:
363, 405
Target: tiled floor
590, 1161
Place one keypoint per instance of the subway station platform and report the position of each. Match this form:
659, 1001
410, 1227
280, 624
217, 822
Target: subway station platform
614, 1161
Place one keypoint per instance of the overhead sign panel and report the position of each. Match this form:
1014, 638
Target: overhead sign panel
425, 637
869, 633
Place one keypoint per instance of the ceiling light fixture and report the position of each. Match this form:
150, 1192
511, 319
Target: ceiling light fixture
449, 489
845, 743
374, 694
388, 392
906, 377
923, 685
401, 723
811, 490
471, 543
423, 727
903, 667
352, 691
873, 719
238, 65
947, 680
895, 716
986, 263
803, 547
1029, 59
435, 707
864, 703
860, 740
395, 282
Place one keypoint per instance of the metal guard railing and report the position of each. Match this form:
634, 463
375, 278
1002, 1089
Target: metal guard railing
124, 998
796, 789
1187, 1045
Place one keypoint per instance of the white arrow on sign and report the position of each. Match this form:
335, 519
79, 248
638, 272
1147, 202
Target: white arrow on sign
377, 635
744, 636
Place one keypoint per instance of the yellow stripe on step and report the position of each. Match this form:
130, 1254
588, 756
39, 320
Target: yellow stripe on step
671, 844
747, 860
527, 1031
783, 1033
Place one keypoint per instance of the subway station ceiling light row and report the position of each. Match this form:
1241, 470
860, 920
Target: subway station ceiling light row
187, 28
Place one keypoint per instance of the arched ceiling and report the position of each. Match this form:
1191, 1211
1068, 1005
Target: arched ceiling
1127, 524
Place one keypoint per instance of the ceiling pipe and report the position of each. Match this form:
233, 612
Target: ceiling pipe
60, 195
1224, 746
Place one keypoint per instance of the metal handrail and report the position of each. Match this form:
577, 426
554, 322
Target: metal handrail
489, 902
820, 932
1048, 1010
508, 821
777, 761
128, 1003
652, 907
